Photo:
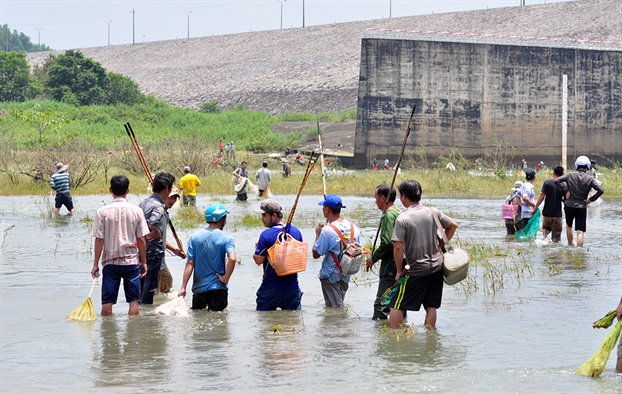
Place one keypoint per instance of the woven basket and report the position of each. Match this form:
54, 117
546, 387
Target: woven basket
288, 256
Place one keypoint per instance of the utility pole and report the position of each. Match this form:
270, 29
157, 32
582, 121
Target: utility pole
188, 13
39, 33
390, 8
133, 28
281, 1
108, 22
303, 13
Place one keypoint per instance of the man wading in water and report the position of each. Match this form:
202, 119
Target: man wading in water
211, 257
575, 207
60, 183
157, 219
275, 291
116, 226
386, 274
415, 239
334, 285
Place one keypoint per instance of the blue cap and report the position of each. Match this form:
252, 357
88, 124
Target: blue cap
332, 201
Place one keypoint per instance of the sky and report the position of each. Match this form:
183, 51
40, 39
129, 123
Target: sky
72, 24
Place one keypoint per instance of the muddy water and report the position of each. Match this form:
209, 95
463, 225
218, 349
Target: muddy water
527, 337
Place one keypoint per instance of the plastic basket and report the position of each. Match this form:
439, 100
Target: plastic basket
288, 255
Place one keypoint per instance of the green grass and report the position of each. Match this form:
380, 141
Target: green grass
155, 123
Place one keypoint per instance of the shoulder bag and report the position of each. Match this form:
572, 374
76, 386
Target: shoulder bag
455, 259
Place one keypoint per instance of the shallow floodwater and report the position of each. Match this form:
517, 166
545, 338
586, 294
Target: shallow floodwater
529, 336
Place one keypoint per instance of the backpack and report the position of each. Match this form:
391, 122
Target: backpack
351, 256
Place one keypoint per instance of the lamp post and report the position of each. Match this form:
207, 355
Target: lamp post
303, 13
133, 27
281, 2
188, 13
390, 7
108, 22
39, 32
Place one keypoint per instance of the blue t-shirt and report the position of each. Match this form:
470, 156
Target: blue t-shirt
270, 279
329, 241
209, 250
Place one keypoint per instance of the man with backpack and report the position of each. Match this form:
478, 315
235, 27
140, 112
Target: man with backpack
329, 242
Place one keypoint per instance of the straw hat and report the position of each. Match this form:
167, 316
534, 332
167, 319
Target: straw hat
60, 167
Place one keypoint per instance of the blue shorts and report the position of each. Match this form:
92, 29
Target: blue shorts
63, 199
287, 300
112, 275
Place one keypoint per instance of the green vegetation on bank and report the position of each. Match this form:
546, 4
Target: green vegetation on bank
155, 122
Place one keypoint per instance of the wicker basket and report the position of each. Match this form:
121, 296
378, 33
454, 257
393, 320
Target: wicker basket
288, 256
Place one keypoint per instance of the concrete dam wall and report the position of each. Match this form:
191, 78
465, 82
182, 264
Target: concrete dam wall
473, 97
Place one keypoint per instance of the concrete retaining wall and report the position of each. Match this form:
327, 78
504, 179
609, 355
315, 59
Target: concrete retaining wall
474, 97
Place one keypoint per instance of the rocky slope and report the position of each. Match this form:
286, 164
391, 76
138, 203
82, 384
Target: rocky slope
317, 68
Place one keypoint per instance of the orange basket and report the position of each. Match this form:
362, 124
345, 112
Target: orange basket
288, 256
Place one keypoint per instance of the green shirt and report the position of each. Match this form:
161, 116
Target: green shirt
385, 250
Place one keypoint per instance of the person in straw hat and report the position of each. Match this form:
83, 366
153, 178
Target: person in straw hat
165, 281
60, 183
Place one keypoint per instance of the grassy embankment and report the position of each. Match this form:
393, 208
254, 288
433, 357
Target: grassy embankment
96, 146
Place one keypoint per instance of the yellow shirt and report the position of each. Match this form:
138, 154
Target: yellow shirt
188, 183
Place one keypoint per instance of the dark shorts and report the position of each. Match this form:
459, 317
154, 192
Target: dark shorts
261, 192
578, 214
112, 275
63, 199
554, 225
213, 300
242, 197
190, 201
271, 299
418, 290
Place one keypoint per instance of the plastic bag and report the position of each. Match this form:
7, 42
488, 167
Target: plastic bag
596, 364
530, 231
175, 306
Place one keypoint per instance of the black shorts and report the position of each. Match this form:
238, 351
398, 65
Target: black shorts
63, 199
426, 290
213, 300
580, 214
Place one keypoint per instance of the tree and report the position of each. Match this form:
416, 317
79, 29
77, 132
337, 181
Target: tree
122, 89
18, 42
77, 80
16, 83
45, 121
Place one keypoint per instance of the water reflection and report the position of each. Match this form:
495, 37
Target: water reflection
418, 350
132, 352
281, 348
211, 350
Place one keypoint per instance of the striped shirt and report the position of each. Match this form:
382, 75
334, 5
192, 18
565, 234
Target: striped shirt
60, 182
119, 224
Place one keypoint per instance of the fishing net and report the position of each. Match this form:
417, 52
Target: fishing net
85, 312
175, 306
596, 364
530, 231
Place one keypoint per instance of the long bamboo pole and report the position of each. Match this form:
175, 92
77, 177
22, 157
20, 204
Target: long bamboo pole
143, 162
397, 166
